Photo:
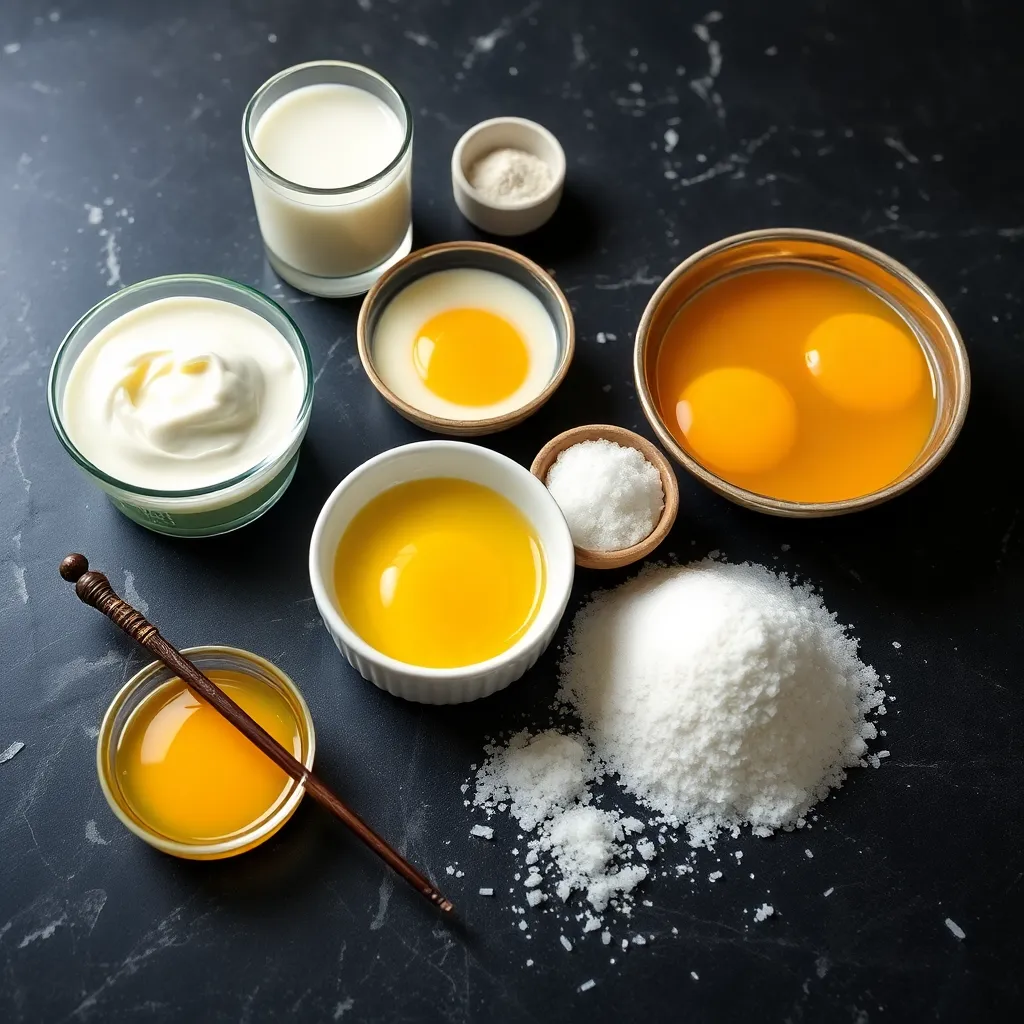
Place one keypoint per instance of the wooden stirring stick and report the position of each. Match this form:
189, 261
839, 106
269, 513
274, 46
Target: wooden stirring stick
94, 589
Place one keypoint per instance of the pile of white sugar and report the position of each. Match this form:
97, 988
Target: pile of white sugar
720, 696
510, 176
610, 495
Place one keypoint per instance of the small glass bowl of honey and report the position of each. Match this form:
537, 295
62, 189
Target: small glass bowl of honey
181, 777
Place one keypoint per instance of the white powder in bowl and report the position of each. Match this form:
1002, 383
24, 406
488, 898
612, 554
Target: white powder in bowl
610, 495
506, 176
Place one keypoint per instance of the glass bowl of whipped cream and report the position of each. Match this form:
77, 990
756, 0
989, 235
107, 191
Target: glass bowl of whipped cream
185, 399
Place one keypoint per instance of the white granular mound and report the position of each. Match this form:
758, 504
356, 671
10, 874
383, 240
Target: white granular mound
537, 776
721, 695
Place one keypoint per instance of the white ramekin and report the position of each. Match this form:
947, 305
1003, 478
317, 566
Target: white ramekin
512, 218
466, 462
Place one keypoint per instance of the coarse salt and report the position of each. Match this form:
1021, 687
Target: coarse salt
610, 495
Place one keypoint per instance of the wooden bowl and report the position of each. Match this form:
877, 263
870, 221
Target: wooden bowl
588, 558
484, 256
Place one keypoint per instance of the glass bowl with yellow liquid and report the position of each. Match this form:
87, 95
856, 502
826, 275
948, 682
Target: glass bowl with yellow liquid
800, 373
183, 778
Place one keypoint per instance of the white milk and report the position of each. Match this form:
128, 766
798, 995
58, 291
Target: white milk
330, 136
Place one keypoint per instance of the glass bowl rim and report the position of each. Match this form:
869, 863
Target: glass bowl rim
248, 837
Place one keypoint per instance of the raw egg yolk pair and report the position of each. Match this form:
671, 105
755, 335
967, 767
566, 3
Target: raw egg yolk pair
741, 420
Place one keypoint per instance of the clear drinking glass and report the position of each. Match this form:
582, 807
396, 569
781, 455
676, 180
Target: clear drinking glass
332, 242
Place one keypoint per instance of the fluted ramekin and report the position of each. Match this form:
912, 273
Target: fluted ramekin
463, 461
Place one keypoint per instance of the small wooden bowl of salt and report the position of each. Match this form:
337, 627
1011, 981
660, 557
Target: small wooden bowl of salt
619, 507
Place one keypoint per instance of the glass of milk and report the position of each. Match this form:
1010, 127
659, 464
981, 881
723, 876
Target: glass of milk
329, 149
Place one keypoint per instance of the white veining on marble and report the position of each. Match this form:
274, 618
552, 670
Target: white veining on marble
705, 85
92, 833
44, 933
79, 669
481, 45
131, 594
579, 51
327, 359
20, 588
16, 455
733, 164
899, 147
637, 278
111, 261
420, 39
11, 752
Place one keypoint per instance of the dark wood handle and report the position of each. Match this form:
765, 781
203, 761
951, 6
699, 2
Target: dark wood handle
94, 589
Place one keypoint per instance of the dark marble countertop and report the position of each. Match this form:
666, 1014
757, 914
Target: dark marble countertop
120, 159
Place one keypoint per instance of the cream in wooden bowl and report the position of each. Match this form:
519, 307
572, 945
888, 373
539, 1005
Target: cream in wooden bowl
465, 338
616, 490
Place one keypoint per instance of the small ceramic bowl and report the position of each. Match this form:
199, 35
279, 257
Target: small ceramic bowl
482, 256
419, 461
515, 218
204, 511
903, 290
589, 558
131, 696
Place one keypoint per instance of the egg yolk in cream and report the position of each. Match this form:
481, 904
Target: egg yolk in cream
470, 356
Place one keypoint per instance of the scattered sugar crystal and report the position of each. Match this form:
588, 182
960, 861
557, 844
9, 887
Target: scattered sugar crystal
695, 975
522, 926
808, 854
829, 891
529, 963
714, 876
955, 929
535, 897
587, 985
533, 880
449, 870
592, 924
763, 912
639, 940
483, 831
645, 848
565, 942
606, 937
459, 874
486, 892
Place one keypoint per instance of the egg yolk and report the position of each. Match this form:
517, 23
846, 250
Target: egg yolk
439, 573
189, 773
470, 356
738, 420
865, 363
